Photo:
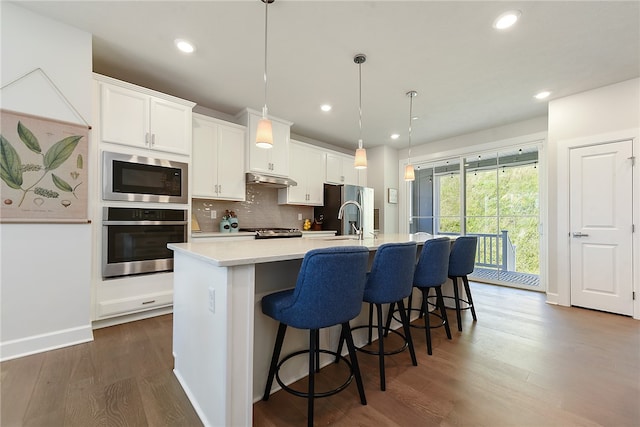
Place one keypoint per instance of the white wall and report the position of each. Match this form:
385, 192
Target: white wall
45, 289
459, 143
382, 174
603, 114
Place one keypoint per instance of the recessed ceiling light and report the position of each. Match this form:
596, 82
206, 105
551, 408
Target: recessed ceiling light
325, 107
542, 95
506, 20
395, 136
184, 46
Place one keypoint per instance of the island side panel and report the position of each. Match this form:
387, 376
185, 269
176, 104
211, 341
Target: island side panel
240, 351
213, 357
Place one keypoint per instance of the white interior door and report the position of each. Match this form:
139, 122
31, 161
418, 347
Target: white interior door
601, 227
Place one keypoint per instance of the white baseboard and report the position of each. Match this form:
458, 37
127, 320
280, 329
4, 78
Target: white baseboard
553, 298
45, 342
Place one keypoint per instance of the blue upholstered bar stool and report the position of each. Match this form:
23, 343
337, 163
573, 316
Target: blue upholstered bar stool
328, 292
461, 263
389, 281
431, 273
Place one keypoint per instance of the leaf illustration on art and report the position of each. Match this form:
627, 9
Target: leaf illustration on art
60, 152
28, 138
79, 161
10, 165
64, 185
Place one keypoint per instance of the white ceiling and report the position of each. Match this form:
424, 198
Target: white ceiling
468, 76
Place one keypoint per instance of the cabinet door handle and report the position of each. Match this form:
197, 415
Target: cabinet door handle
153, 139
579, 234
146, 138
148, 302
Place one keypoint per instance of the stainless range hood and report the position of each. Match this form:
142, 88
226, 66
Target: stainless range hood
269, 180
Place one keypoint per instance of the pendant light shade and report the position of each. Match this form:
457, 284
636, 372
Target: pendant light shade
361, 159
264, 133
361, 154
409, 172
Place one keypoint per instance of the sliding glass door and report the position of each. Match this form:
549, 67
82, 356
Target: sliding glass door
494, 195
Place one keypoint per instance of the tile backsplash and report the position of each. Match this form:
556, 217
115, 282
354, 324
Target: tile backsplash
261, 209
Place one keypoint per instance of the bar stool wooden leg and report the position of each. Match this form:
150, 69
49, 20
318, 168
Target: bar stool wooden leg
456, 297
380, 345
427, 326
346, 335
407, 332
443, 311
465, 280
277, 348
313, 336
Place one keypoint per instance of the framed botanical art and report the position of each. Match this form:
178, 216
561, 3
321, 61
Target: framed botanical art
42, 169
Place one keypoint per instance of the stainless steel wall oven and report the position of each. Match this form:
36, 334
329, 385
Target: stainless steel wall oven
134, 240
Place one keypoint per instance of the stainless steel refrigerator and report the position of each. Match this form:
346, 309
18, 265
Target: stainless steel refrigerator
334, 197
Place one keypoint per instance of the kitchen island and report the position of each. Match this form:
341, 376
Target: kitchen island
222, 342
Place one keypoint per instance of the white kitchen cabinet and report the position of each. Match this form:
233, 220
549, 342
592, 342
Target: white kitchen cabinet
272, 161
125, 296
218, 159
306, 167
139, 117
340, 170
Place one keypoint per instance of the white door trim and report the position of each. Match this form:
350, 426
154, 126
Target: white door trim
563, 297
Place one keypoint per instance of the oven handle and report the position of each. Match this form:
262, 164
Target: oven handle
144, 222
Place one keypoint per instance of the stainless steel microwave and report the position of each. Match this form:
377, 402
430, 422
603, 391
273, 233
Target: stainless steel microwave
143, 179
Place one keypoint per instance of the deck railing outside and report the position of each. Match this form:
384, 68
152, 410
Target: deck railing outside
487, 253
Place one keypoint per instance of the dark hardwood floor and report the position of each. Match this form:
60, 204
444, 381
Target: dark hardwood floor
524, 363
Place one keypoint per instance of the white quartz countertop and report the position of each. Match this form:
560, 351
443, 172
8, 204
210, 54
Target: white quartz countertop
231, 253
199, 234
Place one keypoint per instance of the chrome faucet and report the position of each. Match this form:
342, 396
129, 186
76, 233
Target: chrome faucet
359, 232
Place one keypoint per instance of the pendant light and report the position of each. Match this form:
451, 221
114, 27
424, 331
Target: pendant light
409, 173
264, 133
361, 154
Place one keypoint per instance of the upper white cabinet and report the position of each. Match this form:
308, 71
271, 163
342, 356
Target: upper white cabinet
306, 167
139, 117
218, 159
273, 161
340, 170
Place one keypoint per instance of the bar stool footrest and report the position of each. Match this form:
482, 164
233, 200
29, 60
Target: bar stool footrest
315, 394
386, 331
421, 326
468, 304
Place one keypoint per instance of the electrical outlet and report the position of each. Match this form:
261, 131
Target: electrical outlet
214, 214
212, 300
299, 217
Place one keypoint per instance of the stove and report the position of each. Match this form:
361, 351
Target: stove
273, 232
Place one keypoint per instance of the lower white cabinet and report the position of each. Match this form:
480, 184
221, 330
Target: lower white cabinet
217, 159
132, 294
306, 167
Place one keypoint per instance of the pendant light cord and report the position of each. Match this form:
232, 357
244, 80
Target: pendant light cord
411, 95
360, 102
266, 11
